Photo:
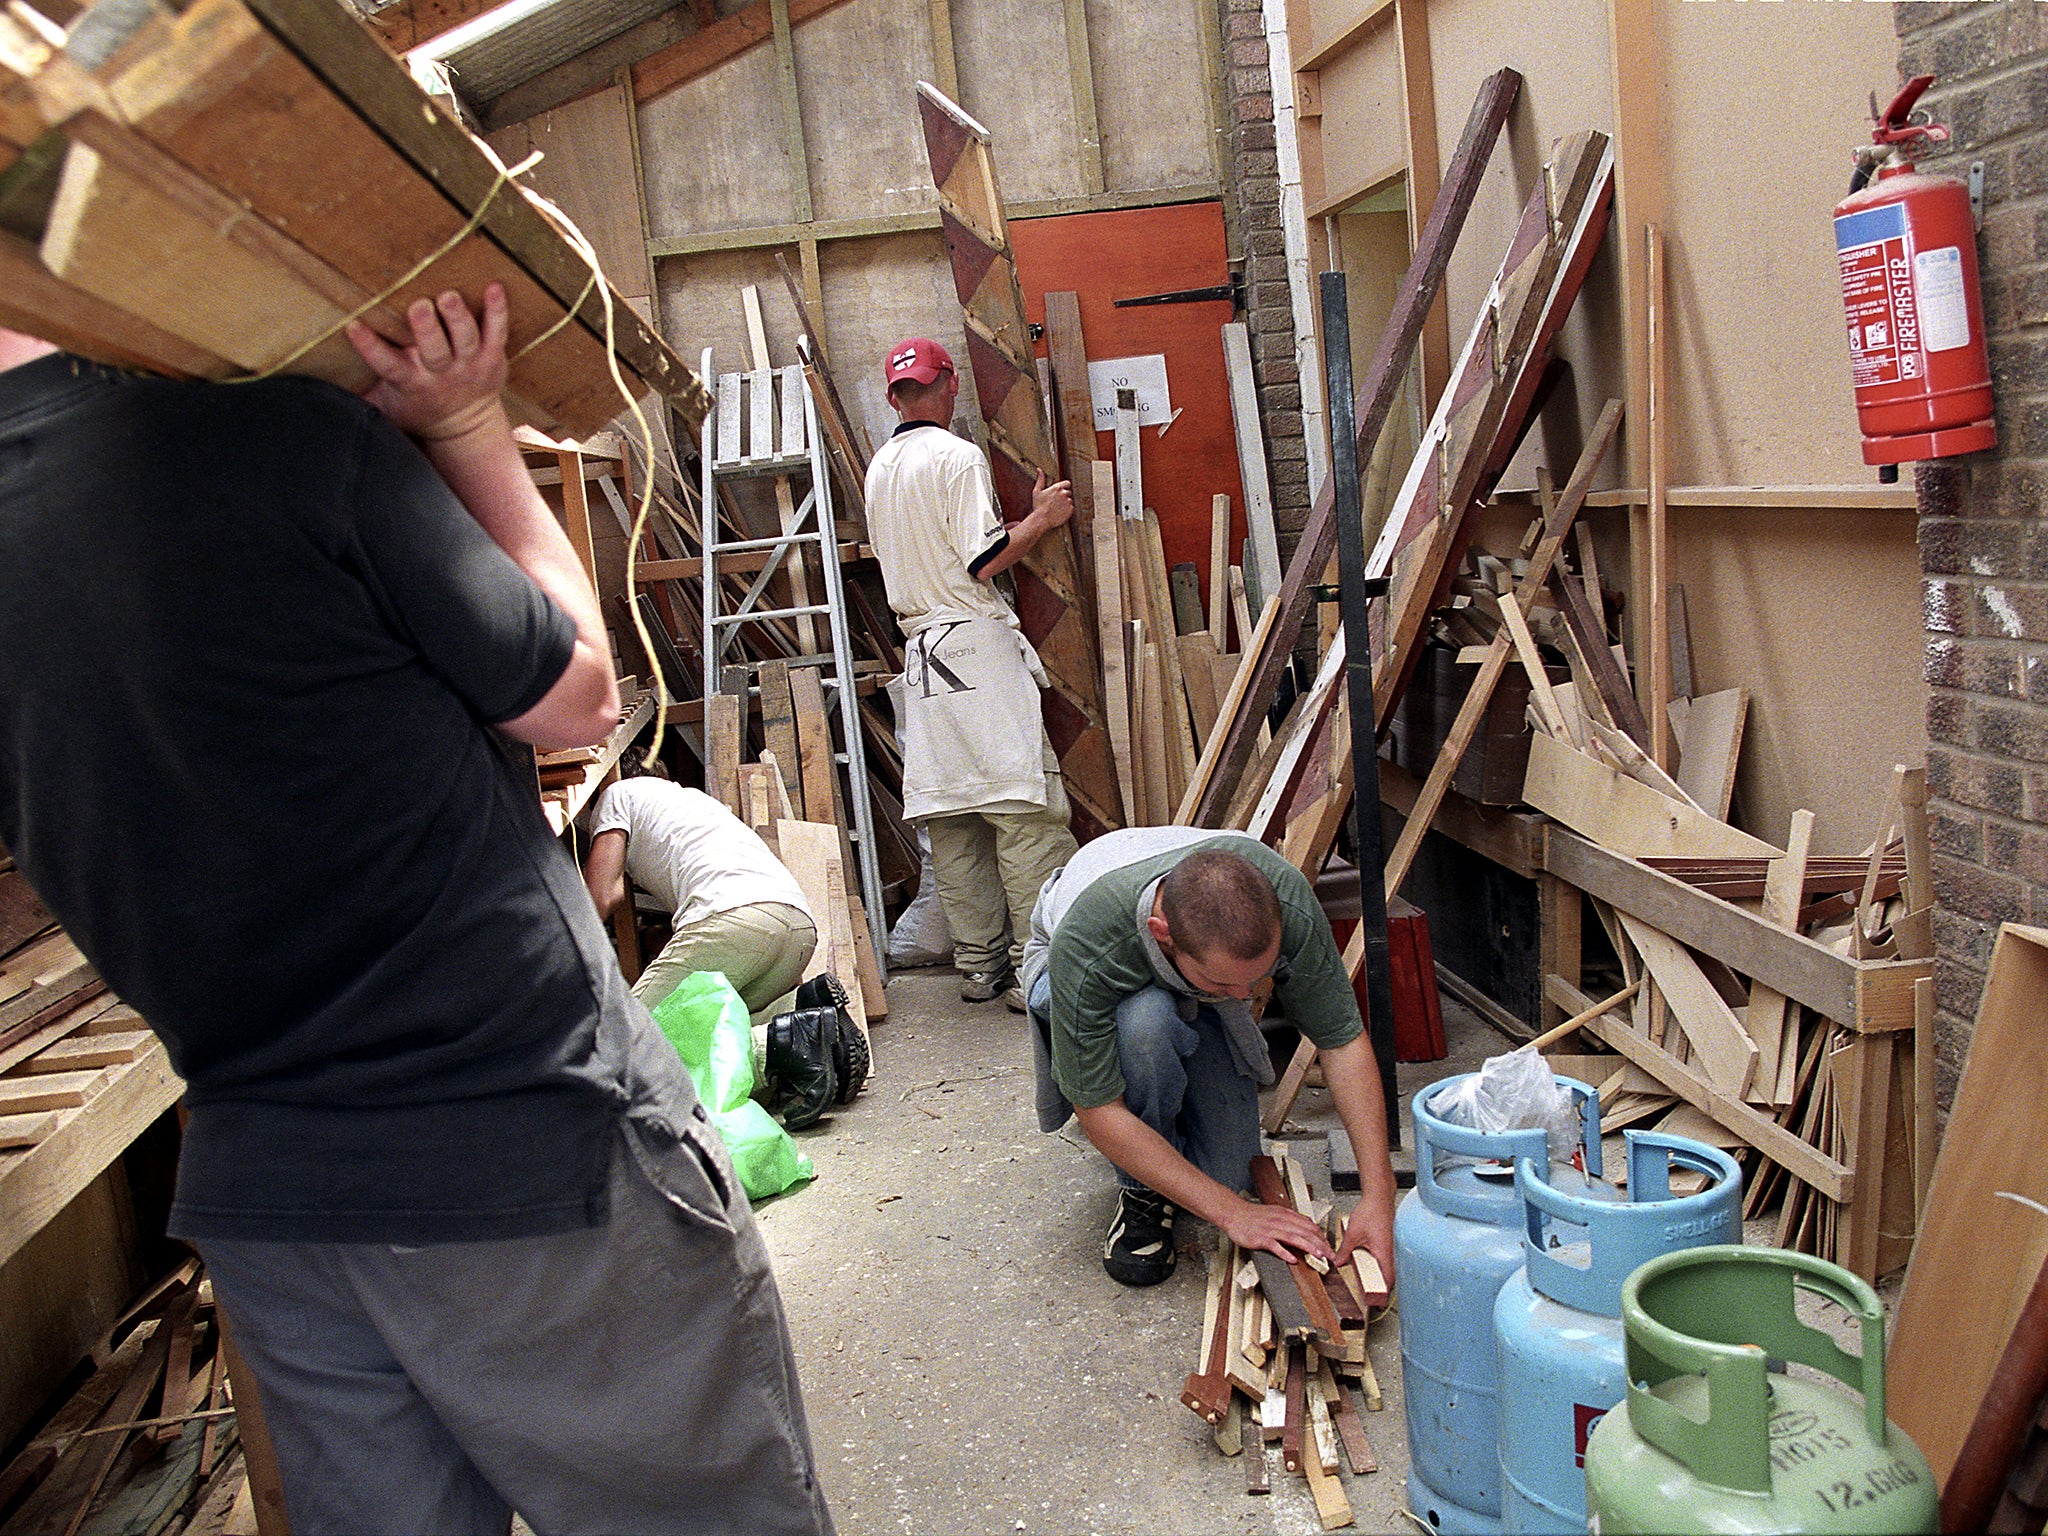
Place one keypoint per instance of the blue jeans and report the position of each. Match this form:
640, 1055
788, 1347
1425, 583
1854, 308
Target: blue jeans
1179, 1079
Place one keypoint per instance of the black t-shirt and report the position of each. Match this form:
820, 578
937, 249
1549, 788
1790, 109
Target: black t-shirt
249, 647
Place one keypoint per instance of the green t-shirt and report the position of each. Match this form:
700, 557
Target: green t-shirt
1100, 955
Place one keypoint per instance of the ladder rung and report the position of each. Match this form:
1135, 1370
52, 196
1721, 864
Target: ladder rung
741, 546
769, 464
768, 613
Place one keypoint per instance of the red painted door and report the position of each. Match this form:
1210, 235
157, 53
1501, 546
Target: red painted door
1103, 257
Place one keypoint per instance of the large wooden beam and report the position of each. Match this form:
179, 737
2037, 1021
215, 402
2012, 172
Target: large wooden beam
349, 59
1239, 733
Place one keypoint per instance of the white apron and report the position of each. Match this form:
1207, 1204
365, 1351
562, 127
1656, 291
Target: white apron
972, 733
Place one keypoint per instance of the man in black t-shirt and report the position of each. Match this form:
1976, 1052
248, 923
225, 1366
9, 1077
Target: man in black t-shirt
480, 1245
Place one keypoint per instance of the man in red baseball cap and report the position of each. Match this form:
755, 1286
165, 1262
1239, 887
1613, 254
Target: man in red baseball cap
977, 767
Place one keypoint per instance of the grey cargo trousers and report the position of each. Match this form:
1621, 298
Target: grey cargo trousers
633, 1377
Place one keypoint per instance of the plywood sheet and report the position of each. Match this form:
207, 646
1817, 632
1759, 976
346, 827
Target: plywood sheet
700, 298
876, 293
588, 172
1801, 430
1978, 1252
857, 68
713, 152
1833, 704
1151, 93
1014, 82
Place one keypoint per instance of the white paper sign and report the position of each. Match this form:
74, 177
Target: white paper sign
1146, 375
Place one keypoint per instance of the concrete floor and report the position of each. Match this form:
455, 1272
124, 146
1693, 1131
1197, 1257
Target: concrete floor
967, 1365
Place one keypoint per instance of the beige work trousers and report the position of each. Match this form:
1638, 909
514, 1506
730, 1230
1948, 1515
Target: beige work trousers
989, 866
762, 949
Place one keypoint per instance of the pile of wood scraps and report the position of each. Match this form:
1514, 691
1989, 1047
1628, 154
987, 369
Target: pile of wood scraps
1283, 1348
211, 192
1767, 1006
149, 1440
80, 1074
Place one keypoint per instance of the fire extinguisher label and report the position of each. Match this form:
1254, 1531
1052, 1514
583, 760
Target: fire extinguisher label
1944, 308
1878, 293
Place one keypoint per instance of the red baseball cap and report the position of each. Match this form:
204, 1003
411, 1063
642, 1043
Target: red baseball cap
919, 359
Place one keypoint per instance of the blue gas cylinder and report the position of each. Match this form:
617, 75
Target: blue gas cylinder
1457, 1237
1557, 1320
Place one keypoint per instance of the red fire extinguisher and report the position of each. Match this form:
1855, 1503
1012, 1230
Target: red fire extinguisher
1907, 248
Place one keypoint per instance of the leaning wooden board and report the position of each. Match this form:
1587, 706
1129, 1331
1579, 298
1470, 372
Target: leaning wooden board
1056, 612
1981, 1242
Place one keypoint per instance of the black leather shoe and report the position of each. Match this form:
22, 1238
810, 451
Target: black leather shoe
850, 1053
800, 1051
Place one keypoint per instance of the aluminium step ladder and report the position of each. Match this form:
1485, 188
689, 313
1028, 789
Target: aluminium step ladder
764, 423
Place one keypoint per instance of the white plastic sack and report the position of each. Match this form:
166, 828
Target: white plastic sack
920, 935
1514, 1092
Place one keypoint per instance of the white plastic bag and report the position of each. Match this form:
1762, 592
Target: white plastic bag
920, 935
1514, 1092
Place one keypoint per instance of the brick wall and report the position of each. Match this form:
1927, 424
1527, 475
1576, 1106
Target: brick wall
1983, 525
1252, 206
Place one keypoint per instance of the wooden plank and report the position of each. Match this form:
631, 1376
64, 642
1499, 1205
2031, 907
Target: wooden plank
1653, 634
1198, 675
1065, 345
56, 1090
1251, 456
810, 851
1709, 747
1219, 572
1824, 1173
1864, 995
382, 92
225, 99
814, 743
1765, 1018
1233, 711
1710, 1025
722, 745
1180, 735
1622, 815
186, 276
1081, 78
1610, 683
87, 1053
1418, 101
1980, 1246
778, 730
1109, 600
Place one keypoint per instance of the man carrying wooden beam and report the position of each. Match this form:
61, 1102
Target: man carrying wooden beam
479, 1243
1145, 953
977, 766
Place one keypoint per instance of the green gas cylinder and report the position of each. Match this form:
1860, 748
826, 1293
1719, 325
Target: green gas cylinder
1712, 1439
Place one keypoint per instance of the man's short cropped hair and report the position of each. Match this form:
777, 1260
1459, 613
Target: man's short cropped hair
1215, 900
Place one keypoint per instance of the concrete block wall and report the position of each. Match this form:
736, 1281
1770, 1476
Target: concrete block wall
1254, 212
1983, 522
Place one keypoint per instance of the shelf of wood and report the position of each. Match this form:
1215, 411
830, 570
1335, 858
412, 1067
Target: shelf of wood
559, 812
1847, 498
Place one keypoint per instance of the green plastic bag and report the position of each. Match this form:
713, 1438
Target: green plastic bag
706, 1021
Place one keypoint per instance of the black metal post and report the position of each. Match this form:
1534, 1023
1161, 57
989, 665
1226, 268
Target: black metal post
1354, 592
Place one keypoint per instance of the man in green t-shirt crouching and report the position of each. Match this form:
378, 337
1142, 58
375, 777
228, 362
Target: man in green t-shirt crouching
1145, 952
